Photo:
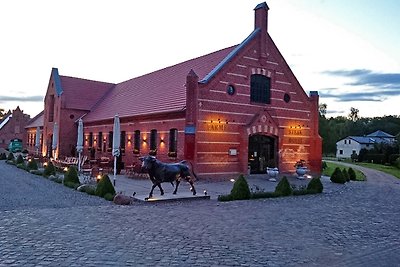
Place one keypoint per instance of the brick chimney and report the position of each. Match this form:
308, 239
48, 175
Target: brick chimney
261, 22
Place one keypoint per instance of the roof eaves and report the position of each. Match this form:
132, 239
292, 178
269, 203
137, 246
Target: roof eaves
5, 120
229, 57
57, 81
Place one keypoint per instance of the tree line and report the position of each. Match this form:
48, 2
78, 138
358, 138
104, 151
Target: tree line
336, 128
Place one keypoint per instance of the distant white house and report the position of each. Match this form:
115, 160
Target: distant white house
353, 144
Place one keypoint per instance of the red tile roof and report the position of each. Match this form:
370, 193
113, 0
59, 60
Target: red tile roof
81, 93
156, 92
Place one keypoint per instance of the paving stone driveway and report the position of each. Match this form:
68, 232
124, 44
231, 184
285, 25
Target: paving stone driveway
46, 224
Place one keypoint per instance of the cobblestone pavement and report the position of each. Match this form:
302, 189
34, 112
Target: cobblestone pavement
46, 224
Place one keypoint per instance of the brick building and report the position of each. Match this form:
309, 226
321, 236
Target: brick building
13, 126
31, 132
235, 108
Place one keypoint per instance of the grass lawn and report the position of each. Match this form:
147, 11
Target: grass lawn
332, 166
387, 169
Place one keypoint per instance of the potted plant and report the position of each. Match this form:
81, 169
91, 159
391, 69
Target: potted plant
301, 169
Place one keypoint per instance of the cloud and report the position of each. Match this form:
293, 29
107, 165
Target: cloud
35, 98
376, 87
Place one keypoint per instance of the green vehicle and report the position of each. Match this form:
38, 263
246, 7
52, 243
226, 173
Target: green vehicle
15, 145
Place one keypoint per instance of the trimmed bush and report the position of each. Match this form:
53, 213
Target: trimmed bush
283, 188
49, 170
10, 156
20, 159
71, 176
104, 186
352, 174
240, 189
337, 176
258, 195
32, 164
225, 198
315, 186
22, 166
346, 175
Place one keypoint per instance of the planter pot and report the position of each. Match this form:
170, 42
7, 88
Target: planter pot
300, 171
272, 173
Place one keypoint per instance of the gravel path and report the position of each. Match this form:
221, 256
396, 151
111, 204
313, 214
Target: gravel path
21, 190
356, 224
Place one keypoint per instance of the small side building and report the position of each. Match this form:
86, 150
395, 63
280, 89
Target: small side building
31, 132
353, 144
13, 126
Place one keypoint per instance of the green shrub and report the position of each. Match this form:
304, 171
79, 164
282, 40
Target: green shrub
346, 175
352, 174
20, 159
337, 176
258, 195
240, 189
283, 188
104, 186
225, 198
21, 166
10, 156
315, 186
109, 197
392, 158
324, 165
71, 176
397, 163
3, 156
49, 170
32, 164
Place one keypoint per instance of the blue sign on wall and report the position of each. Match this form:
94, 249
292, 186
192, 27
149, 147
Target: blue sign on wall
190, 130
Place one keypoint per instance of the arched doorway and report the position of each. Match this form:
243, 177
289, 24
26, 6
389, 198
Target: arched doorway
262, 153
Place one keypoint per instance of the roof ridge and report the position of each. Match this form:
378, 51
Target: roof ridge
89, 80
228, 58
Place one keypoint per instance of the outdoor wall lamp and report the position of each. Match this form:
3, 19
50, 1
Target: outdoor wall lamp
129, 141
144, 140
162, 141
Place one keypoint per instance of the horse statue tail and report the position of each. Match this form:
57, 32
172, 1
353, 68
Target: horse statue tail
185, 162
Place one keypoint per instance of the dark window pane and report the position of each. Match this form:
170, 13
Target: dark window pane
260, 89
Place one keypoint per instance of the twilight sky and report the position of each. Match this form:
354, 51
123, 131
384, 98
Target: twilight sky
345, 49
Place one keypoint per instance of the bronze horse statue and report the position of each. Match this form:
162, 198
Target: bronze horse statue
160, 172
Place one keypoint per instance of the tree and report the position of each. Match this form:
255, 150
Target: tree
322, 109
354, 114
1, 113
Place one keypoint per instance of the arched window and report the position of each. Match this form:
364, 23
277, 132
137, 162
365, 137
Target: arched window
260, 89
153, 140
136, 142
173, 141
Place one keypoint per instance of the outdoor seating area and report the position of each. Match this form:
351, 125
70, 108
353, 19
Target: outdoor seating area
69, 161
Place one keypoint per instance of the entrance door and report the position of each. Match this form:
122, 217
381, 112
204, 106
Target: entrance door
262, 153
